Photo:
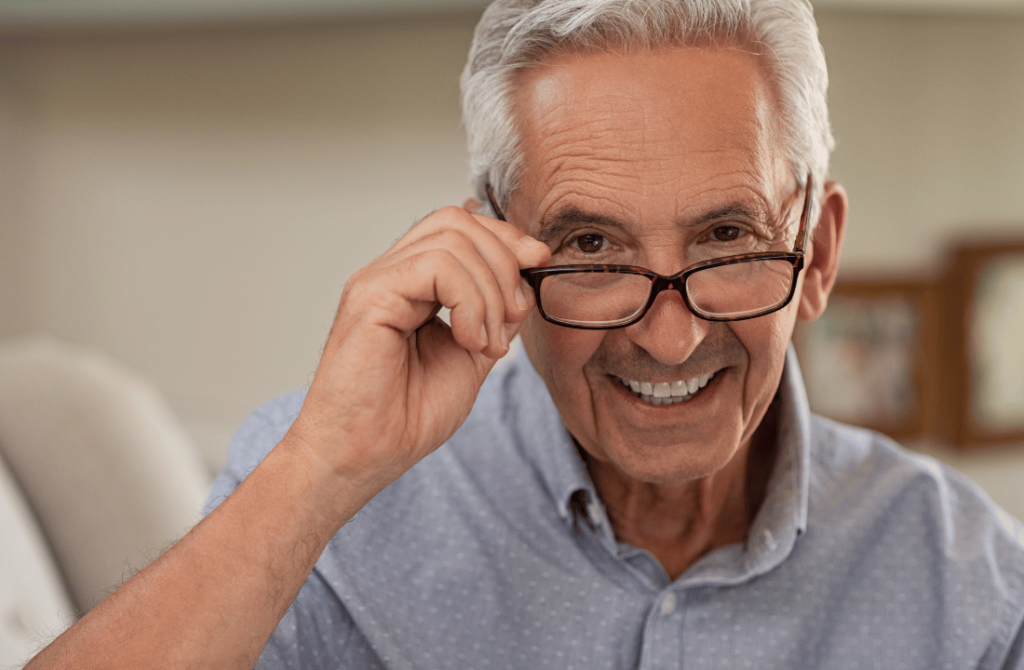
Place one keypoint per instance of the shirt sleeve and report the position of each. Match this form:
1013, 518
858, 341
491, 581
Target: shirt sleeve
317, 633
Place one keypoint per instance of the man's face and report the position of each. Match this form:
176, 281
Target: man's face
657, 159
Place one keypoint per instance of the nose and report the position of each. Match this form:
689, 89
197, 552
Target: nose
669, 331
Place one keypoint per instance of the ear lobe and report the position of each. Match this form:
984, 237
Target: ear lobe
472, 206
822, 261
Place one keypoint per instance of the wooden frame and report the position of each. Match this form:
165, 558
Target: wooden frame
984, 343
866, 361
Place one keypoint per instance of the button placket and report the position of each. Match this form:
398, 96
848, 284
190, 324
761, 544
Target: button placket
663, 633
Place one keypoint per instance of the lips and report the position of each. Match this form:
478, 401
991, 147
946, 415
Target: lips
666, 393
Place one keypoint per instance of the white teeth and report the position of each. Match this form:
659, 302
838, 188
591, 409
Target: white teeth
667, 393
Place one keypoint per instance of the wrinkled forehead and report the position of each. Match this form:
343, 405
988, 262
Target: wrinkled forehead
682, 120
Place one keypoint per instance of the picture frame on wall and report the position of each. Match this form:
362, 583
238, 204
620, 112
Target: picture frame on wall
866, 360
984, 342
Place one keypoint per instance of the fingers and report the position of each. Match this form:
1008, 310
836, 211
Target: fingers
457, 281
502, 246
472, 264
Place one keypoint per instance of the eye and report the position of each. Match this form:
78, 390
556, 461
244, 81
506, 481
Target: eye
726, 233
590, 243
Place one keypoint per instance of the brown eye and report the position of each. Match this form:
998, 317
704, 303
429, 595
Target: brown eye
726, 233
590, 244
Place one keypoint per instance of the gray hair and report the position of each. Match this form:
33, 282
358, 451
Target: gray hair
517, 34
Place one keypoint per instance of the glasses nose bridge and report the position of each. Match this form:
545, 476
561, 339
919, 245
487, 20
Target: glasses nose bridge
676, 283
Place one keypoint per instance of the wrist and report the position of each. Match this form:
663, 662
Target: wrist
331, 490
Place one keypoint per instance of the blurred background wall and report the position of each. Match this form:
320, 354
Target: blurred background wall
190, 196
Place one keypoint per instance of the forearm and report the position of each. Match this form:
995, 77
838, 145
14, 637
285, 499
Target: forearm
213, 599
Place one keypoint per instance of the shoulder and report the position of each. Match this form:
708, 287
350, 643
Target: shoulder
909, 520
850, 464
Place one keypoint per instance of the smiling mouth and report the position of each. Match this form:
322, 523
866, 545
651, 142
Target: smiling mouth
666, 393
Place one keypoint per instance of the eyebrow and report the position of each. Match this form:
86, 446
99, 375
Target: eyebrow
572, 217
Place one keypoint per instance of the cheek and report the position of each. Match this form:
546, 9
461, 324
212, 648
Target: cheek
765, 340
559, 354
777, 335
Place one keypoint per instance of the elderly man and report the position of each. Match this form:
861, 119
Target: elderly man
645, 487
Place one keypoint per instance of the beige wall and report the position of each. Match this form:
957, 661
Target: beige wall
928, 115
192, 201
14, 246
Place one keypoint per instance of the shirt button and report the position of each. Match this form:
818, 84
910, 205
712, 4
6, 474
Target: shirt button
668, 603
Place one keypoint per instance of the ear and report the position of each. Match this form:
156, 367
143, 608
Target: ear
472, 206
822, 262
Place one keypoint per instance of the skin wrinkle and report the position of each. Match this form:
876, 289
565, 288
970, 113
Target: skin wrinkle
710, 355
572, 217
776, 230
637, 503
703, 501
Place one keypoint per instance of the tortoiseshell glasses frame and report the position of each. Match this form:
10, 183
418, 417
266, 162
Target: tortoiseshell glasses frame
676, 282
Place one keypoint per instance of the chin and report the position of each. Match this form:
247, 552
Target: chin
666, 462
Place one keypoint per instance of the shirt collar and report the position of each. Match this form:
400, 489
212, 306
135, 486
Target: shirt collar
783, 514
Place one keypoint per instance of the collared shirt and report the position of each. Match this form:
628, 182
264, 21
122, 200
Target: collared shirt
861, 556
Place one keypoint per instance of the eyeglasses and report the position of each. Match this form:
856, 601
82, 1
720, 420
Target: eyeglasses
733, 288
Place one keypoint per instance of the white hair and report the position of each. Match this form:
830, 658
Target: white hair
516, 34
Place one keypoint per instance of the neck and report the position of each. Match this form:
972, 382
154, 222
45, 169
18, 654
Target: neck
681, 523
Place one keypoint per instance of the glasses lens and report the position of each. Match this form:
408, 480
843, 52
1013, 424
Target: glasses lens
593, 298
737, 290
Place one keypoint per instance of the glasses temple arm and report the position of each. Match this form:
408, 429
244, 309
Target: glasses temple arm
494, 203
802, 234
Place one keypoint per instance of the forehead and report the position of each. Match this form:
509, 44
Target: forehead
664, 132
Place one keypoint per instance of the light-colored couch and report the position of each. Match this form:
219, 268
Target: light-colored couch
97, 477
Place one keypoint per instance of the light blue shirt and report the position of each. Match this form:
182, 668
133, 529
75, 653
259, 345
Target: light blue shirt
862, 556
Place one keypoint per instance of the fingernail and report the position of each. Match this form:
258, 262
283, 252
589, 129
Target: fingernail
504, 338
521, 299
483, 335
528, 241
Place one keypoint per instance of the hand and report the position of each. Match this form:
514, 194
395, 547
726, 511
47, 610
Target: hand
394, 381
